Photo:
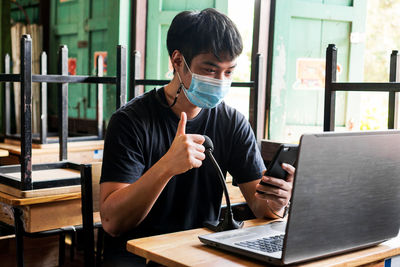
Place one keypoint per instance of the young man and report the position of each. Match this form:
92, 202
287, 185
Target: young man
156, 178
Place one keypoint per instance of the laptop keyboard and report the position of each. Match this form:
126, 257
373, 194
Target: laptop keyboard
267, 244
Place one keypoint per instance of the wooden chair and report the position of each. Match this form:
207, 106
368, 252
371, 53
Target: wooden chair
90, 178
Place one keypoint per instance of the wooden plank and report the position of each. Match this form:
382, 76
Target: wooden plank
307, 10
4, 153
82, 152
5, 237
48, 175
47, 216
185, 249
11, 159
16, 32
64, 29
40, 176
76, 156
6, 214
98, 144
39, 192
96, 24
17, 201
36, 34
11, 148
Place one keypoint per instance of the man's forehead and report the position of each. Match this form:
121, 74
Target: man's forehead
211, 59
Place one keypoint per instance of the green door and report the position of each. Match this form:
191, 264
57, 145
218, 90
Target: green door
89, 28
160, 15
303, 30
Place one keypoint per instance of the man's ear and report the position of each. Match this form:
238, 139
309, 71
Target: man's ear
177, 60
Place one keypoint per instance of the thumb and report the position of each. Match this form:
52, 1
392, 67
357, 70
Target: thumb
182, 125
290, 170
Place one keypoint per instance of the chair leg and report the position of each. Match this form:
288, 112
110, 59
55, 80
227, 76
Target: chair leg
19, 236
72, 248
61, 249
99, 246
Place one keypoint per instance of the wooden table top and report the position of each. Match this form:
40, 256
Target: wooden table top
185, 249
14, 147
4, 153
15, 201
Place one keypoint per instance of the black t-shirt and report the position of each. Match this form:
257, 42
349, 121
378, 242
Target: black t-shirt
141, 132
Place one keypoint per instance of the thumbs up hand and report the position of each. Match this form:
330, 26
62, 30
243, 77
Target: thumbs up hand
182, 125
186, 151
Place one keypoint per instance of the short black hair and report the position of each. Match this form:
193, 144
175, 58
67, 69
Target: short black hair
193, 33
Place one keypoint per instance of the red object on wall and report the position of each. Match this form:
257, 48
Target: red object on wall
72, 66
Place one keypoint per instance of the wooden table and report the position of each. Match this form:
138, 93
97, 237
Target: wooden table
48, 210
38, 214
185, 249
42, 213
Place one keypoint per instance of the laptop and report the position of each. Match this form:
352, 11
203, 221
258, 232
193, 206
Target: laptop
346, 196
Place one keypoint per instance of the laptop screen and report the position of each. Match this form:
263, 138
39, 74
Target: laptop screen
346, 193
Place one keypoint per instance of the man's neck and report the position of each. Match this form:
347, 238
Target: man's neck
182, 103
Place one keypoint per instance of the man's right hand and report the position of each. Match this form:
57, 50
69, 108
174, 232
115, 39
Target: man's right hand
186, 151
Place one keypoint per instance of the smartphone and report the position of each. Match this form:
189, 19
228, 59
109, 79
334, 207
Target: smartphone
287, 153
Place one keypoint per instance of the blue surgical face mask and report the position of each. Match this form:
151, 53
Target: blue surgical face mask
205, 92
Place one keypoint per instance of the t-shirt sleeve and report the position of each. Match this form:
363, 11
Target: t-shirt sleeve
122, 158
246, 163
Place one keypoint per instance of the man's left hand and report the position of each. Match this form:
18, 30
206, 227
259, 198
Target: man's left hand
278, 195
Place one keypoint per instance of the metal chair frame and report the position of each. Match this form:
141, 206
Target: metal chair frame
332, 86
26, 78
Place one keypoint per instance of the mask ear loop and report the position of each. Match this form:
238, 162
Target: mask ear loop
181, 84
164, 102
177, 93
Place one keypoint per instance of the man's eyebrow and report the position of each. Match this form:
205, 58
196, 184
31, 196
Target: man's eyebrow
211, 63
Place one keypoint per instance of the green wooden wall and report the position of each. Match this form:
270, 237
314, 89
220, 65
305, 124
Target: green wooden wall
303, 30
87, 27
